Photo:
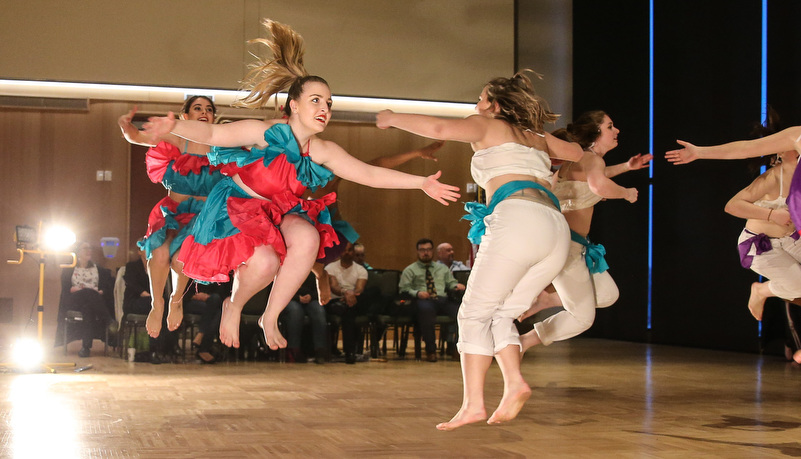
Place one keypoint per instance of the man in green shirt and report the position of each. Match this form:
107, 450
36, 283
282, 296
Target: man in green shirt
429, 283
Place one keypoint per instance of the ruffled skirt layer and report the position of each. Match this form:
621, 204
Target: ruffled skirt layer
233, 224
166, 215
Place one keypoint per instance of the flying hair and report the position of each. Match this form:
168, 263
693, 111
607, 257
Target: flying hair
519, 105
277, 72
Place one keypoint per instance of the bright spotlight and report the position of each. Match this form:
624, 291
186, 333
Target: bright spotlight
27, 353
58, 238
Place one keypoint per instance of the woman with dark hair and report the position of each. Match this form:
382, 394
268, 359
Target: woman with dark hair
256, 221
87, 288
771, 205
512, 163
184, 170
579, 186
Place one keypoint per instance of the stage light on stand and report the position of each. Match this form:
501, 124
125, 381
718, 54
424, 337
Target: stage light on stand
53, 242
25, 236
58, 238
27, 354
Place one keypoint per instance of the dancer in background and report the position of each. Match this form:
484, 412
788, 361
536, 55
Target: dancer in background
772, 207
256, 221
579, 186
184, 170
511, 162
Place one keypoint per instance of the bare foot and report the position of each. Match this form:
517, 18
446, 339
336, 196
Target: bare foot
529, 340
229, 325
175, 315
463, 417
544, 301
272, 336
154, 319
756, 302
512, 402
198, 338
797, 356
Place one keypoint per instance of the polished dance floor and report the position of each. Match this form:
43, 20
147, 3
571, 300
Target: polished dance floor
591, 398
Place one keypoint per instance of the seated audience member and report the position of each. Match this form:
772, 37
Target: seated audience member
137, 301
445, 256
206, 301
305, 303
430, 283
347, 280
358, 256
87, 288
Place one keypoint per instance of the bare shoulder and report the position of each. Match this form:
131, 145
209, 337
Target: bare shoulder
322, 151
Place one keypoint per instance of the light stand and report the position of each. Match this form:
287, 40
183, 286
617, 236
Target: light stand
23, 249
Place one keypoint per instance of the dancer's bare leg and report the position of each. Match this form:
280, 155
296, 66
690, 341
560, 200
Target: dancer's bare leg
760, 292
175, 315
797, 356
249, 279
323, 286
302, 245
474, 371
515, 389
158, 268
548, 298
529, 340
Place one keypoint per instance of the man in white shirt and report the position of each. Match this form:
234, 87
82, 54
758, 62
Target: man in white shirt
348, 280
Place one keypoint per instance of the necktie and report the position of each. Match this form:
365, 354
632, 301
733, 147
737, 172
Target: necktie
432, 290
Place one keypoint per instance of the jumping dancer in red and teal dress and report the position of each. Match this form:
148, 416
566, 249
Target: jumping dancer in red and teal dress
255, 221
184, 170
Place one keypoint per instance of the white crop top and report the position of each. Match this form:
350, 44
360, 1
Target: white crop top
575, 195
509, 158
778, 203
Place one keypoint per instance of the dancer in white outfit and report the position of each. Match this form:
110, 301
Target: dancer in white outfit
511, 162
584, 283
761, 205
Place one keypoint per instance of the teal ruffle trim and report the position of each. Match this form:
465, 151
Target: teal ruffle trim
280, 141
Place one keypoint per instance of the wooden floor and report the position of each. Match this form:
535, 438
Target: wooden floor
591, 398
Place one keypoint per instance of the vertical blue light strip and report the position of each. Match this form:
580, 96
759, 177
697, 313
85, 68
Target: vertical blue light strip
763, 103
651, 149
764, 100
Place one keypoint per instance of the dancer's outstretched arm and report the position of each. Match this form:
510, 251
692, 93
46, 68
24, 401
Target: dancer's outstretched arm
600, 184
470, 130
333, 157
236, 134
775, 143
634, 163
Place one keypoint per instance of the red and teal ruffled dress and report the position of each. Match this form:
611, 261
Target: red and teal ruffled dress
187, 174
233, 223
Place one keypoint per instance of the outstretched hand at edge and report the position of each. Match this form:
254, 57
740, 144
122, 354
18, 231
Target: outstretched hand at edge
640, 161
440, 191
684, 155
160, 126
381, 119
127, 119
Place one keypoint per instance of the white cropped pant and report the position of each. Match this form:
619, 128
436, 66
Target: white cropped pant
580, 294
524, 247
780, 265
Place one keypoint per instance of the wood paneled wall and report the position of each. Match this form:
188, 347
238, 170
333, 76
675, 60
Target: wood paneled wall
51, 160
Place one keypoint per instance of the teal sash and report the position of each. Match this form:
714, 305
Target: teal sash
594, 255
476, 211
